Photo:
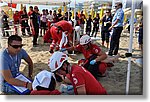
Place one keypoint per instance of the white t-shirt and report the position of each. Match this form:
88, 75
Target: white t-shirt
49, 18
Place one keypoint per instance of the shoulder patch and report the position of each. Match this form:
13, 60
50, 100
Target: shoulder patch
75, 81
96, 50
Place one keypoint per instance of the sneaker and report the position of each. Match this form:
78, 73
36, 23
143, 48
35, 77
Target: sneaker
34, 45
51, 51
110, 54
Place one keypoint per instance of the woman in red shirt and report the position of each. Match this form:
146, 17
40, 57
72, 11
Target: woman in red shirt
17, 19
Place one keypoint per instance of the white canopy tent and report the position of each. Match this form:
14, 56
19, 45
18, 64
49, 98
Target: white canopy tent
39, 2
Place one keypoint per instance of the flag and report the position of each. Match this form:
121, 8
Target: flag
65, 9
21, 7
92, 13
101, 12
13, 5
95, 14
85, 13
72, 14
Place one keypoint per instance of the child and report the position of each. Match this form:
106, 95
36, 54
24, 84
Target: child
44, 84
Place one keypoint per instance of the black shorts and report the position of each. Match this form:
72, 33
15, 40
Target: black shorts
43, 24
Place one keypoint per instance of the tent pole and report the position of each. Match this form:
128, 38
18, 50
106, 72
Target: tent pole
69, 10
74, 24
130, 46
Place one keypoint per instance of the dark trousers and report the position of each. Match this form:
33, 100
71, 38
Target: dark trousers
93, 69
88, 30
105, 36
114, 44
35, 37
95, 30
23, 30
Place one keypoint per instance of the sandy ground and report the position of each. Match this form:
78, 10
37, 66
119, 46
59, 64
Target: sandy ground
115, 80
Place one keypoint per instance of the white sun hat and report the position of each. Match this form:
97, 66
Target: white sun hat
42, 79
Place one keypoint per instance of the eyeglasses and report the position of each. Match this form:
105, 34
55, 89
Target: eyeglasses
16, 46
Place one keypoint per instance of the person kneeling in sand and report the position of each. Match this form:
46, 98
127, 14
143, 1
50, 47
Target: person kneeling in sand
82, 80
93, 56
44, 84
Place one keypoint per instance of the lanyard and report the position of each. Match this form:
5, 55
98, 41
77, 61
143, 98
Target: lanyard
16, 59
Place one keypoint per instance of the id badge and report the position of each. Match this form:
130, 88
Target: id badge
105, 23
97, 25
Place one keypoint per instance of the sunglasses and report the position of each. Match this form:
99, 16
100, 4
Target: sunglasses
16, 46
116, 6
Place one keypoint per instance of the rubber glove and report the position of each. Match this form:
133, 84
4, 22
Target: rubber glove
63, 49
93, 62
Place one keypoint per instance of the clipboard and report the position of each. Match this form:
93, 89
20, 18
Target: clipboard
20, 90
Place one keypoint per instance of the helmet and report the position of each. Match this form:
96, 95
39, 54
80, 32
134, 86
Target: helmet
85, 39
77, 28
70, 22
56, 60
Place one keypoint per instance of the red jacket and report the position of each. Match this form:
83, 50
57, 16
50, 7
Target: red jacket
16, 18
45, 92
47, 36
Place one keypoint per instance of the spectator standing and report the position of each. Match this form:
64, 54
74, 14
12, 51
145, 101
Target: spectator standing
43, 21
17, 20
24, 23
117, 26
95, 25
88, 25
35, 25
106, 23
5, 25
82, 22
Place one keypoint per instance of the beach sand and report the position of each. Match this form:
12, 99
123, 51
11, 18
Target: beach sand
115, 80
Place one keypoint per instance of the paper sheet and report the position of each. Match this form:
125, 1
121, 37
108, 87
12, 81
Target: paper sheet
22, 78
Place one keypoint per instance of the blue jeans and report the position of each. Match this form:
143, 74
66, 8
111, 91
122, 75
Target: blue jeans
6, 89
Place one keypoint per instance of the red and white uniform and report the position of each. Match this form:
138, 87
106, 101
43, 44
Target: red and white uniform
93, 50
57, 36
80, 76
45, 92
47, 36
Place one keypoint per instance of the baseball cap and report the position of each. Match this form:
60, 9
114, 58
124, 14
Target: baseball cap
42, 79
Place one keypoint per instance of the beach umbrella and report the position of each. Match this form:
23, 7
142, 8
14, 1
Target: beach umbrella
130, 46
